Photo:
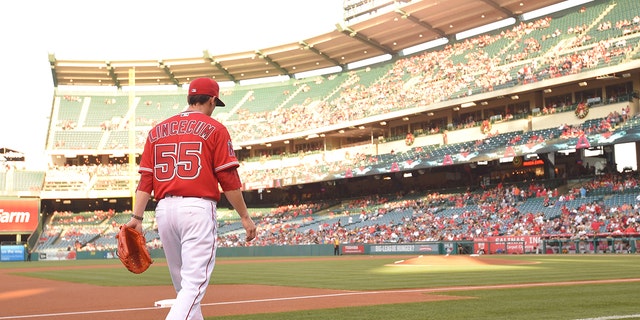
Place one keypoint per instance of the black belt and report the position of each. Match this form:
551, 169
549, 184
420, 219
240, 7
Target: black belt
175, 196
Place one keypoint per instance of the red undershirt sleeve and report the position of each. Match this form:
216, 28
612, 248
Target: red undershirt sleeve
229, 179
146, 182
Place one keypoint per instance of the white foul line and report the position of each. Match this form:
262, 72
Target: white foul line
629, 316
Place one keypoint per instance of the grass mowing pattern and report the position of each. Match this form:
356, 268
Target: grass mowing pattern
549, 303
374, 273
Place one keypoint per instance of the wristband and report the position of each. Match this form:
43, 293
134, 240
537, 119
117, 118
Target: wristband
136, 217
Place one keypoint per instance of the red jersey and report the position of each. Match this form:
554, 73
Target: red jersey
184, 153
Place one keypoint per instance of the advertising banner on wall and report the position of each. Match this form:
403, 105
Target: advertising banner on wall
352, 249
19, 215
12, 253
420, 248
507, 244
57, 255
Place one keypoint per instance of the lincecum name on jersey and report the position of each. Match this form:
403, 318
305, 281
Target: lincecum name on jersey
174, 128
14, 217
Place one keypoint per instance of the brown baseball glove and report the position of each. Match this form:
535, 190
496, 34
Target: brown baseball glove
132, 250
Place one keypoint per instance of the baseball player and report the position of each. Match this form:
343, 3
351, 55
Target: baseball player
185, 159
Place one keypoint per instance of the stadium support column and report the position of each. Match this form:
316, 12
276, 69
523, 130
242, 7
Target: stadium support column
634, 102
549, 164
637, 154
132, 134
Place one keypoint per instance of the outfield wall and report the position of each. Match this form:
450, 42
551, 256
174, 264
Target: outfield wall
506, 245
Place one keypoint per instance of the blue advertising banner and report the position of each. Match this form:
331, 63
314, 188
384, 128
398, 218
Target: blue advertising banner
12, 253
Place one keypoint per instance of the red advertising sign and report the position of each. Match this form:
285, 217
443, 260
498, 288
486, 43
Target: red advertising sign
352, 249
18, 216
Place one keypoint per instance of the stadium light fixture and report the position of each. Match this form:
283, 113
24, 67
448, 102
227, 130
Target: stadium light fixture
567, 151
582, 84
485, 28
505, 160
607, 76
424, 46
264, 80
553, 8
369, 61
318, 72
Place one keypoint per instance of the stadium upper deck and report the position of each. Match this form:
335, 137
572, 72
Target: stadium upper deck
371, 28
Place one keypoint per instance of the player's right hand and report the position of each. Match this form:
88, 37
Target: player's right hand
135, 224
250, 228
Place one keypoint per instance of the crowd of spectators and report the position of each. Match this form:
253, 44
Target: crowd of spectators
577, 213
492, 212
73, 231
439, 75
527, 52
434, 75
312, 167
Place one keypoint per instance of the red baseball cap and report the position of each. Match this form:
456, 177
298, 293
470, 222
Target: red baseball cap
206, 86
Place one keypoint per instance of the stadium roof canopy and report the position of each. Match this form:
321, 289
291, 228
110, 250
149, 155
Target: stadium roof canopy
408, 24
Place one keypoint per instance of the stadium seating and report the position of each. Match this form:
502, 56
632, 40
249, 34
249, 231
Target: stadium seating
21, 182
78, 139
99, 123
405, 219
253, 106
105, 111
69, 110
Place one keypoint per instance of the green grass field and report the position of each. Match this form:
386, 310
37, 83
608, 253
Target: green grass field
602, 301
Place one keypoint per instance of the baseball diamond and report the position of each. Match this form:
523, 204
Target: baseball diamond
423, 159
26, 288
